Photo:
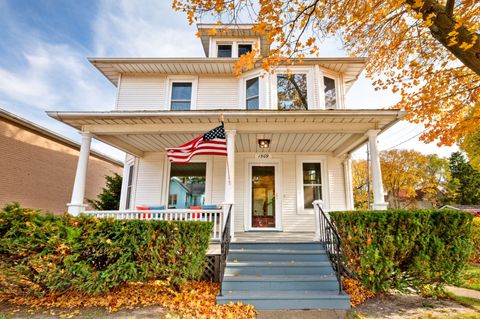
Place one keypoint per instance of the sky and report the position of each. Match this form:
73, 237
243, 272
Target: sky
44, 46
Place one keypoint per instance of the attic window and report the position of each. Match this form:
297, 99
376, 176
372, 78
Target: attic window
224, 51
244, 48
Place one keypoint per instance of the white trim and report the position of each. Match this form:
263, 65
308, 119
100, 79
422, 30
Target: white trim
208, 178
299, 160
182, 79
249, 163
119, 87
310, 73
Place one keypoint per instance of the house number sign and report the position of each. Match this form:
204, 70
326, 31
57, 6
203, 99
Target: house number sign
263, 156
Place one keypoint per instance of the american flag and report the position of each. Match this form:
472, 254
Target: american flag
211, 143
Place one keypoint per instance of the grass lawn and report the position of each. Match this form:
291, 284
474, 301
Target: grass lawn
472, 277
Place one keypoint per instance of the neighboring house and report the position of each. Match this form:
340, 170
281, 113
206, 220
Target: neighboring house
474, 209
38, 166
403, 200
289, 137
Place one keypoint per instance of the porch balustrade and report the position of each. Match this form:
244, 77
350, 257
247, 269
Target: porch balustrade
215, 216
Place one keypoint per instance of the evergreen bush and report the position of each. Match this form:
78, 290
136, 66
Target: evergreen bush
475, 256
59, 253
401, 248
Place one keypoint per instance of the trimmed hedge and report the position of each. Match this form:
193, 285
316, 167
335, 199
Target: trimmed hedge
400, 248
60, 253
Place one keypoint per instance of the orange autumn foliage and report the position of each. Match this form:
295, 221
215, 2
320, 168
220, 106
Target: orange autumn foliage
426, 50
193, 300
358, 292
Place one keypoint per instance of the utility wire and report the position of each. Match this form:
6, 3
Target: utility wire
409, 139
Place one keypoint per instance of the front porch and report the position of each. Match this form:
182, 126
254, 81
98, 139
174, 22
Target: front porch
266, 182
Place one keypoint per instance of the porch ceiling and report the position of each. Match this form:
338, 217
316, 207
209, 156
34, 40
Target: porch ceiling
327, 131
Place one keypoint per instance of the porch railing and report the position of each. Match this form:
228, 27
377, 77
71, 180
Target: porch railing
225, 246
211, 215
327, 234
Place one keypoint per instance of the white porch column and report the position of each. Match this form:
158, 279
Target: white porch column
378, 192
76, 205
347, 172
230, 177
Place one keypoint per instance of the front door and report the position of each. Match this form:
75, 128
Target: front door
263, 197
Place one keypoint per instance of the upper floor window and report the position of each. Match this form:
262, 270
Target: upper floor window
252, 94
330, 93
292, 91
224, 51
244, 48
181, 96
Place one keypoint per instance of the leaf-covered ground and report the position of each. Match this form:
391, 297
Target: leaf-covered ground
193, 300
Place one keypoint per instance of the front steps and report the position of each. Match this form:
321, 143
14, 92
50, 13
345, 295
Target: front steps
275, 276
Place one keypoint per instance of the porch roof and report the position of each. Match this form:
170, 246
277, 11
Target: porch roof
336, 132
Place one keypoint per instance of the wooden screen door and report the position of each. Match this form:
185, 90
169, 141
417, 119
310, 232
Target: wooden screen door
263, 196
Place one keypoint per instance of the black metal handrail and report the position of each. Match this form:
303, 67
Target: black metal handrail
331, 240
225, 247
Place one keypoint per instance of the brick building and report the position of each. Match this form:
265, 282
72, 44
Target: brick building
38, 166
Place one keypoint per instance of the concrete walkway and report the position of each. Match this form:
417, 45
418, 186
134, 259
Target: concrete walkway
464, 292
301, 314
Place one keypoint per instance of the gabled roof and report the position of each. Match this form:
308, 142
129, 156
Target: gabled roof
33, 127
112, 67
466, 208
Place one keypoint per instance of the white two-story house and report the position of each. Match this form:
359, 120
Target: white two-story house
289, 138
288, 131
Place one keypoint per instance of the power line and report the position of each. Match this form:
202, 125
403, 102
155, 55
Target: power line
409, 139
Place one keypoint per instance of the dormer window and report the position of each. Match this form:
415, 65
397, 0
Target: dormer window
224, 50
330, 93
244, 48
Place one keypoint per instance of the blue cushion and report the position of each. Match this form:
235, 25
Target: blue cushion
157, 207
208, 207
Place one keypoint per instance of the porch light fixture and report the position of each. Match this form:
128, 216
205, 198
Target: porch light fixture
264, 143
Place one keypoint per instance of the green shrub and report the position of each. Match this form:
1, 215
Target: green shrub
59, 253
400, 249
475, 256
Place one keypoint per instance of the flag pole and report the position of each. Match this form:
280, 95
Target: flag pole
228, 167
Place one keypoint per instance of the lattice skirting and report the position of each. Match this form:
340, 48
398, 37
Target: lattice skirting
212, 268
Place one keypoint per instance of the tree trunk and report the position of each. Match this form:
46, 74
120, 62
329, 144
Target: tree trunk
444, 23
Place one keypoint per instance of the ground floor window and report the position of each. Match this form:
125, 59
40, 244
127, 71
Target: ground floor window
187, 185
129, 187
312, 184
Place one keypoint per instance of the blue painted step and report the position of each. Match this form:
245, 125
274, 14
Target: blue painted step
277, 255
279, 268
275, 282
280, 300
277, 246
281, 276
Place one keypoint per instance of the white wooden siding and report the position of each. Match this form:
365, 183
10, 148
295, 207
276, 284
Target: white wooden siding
217, 93
336, 184
150, 92
141, 93
151, 184
150, 180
